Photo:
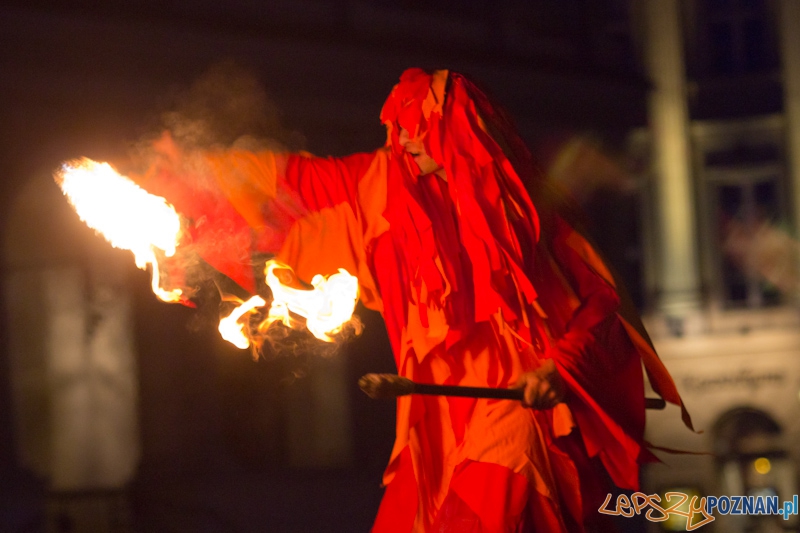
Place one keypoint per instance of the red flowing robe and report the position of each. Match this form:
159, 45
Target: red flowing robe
441, 261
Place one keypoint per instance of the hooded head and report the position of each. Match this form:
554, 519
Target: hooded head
412, 115
444, 114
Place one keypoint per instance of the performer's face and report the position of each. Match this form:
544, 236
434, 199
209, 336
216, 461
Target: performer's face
416, 148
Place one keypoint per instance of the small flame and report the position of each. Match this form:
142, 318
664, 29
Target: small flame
127, 216
232, 330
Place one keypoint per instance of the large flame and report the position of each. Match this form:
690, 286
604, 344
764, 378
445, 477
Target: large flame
125, 214
326, 307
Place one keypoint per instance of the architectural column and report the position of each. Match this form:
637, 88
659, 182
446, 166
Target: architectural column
788, 15
678, 274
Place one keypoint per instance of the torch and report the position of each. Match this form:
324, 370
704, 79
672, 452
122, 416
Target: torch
389, 386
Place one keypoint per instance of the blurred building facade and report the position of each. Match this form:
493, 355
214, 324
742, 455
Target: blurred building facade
722, 249
675, 122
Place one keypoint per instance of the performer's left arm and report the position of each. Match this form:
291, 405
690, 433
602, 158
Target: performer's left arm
598, 301
594, 366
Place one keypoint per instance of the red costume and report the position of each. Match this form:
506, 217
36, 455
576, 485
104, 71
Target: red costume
477, 284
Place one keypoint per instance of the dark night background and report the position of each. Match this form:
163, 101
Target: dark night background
90, 79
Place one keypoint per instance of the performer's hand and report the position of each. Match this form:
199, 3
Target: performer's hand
543, 387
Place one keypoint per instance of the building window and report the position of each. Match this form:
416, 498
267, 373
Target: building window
753, 262
748, 252
746, 211
738, 37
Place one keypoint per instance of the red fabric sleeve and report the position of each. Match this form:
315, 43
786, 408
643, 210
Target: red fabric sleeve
238, 203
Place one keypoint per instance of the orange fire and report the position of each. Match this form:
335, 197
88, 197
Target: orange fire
324, 309
230, 327
133, 219
127, 216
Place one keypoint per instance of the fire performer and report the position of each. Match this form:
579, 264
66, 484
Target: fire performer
480, 283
